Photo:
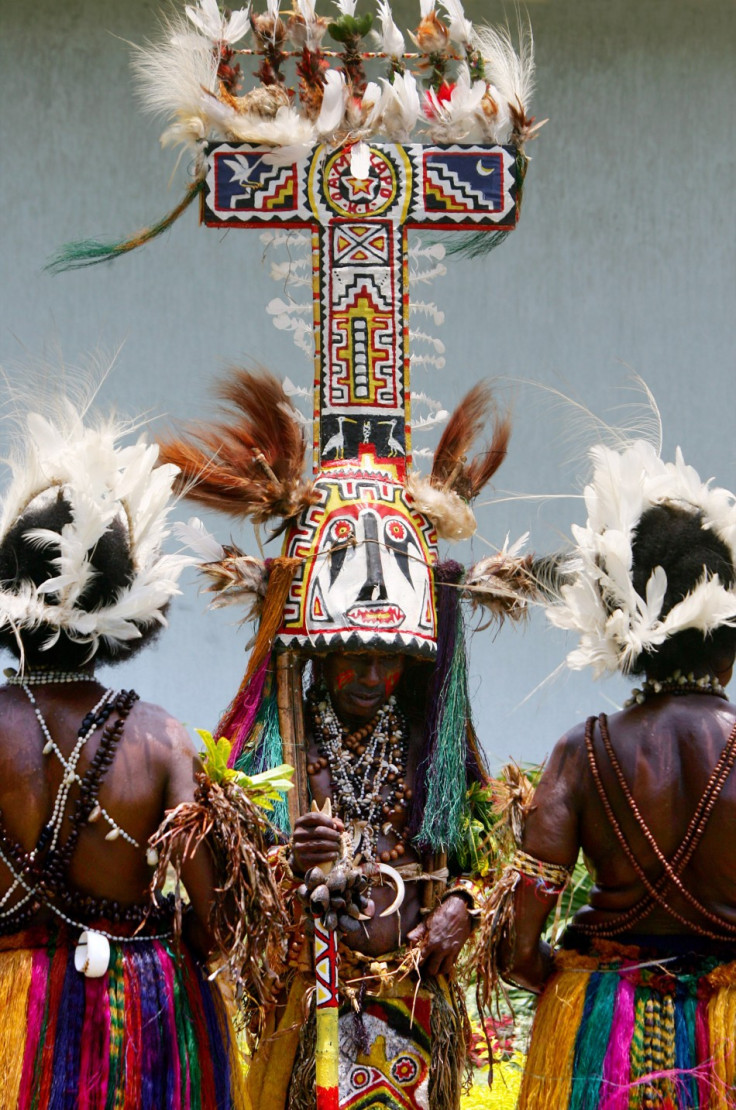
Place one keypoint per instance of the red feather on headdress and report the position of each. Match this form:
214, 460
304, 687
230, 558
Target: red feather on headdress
251, 462
451, 469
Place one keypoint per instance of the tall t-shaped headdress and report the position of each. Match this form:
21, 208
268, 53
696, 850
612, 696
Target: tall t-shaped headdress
435, 142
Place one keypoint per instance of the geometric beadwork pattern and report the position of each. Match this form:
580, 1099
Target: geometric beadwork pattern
391, 1069
359, 261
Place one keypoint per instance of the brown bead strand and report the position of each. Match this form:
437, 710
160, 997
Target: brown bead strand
715, 784
47, 871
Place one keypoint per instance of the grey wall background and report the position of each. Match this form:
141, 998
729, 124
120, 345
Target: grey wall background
624, 257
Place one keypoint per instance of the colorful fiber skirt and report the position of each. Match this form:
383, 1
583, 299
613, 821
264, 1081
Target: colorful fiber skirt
151, 1033
624, 1028
404, 1050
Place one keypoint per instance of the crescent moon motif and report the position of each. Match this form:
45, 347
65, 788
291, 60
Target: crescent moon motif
484, 171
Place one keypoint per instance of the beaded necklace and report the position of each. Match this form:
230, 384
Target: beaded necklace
91, 722
362, 764
677, 684
43, 872
44, 677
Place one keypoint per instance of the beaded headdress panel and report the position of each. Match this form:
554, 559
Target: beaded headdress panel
356, 147
319, 131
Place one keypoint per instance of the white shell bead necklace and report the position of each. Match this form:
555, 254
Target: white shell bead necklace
71, 774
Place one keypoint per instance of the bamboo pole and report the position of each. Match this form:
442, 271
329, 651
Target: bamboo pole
289, 699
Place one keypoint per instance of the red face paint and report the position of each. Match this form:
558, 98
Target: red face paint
342, 678
391, 681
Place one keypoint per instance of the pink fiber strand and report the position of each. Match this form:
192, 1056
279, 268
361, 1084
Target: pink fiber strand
94, 1064
34, 1021
616, 1066
241, 721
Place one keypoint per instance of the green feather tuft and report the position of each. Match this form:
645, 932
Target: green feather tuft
88, 252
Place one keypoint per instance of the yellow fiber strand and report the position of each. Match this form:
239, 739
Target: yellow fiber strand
547, 1082
269, 1072
721, 1023
15, 980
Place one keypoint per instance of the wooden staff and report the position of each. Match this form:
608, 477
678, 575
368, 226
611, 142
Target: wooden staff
433, 887
289, 699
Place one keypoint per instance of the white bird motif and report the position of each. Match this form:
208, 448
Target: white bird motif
336, 443
394, 447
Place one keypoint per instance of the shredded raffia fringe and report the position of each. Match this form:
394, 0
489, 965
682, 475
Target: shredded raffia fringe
445, 774
247, 915
620, 1028
265, 748
237, 720
513, 795
151, 1032
88, 252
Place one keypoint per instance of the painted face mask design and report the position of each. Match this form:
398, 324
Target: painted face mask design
367, 580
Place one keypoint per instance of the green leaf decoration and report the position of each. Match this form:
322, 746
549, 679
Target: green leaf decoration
263, 789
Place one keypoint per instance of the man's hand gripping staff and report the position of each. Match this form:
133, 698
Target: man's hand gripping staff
335, 895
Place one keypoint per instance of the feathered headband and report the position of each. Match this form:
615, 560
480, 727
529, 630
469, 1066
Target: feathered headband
598, 602
101, 481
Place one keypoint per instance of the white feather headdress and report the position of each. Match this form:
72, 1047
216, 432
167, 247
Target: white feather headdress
599, 602
102, 481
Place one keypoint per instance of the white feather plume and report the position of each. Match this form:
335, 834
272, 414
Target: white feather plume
461, 28
452, 517
400, 106
68, 452
171, 76
598, 602
511, 72
333, 103
390, 39
208, 19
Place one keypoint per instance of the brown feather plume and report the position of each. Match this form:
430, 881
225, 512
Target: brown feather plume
250, 463
451, 469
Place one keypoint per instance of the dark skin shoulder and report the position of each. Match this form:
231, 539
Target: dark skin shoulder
359, 685
153, 770
667, 749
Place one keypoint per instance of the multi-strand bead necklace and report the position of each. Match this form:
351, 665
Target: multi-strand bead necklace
362, 764
42, 872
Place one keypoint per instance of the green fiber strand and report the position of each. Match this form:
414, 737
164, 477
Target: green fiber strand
88, 252
264, 750
446, 787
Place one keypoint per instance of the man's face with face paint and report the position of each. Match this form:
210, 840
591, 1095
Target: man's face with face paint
359, 684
